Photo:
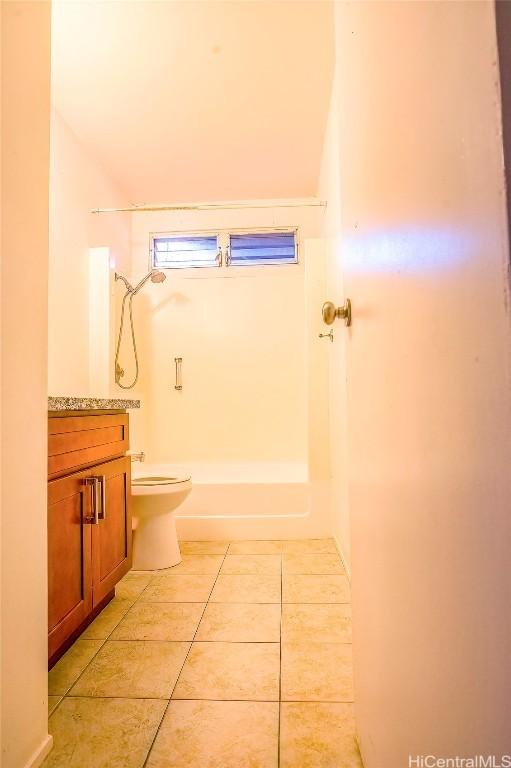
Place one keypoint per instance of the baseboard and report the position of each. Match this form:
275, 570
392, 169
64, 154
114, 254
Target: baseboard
40, 753
343, 558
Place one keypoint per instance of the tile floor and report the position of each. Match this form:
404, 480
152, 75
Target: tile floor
239, 657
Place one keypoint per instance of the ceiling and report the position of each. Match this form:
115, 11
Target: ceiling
200, 99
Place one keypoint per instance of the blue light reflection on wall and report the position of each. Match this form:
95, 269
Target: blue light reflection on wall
417, 251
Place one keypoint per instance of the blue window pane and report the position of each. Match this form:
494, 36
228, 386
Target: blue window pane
270, 248
185, 251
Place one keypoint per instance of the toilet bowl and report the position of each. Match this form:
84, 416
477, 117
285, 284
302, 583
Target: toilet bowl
157, 490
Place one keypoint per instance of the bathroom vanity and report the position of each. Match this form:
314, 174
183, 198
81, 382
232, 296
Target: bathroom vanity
89, 512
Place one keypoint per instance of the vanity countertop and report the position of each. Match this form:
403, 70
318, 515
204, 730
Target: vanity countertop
91, 404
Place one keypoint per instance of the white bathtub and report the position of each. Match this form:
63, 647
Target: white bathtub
250, 500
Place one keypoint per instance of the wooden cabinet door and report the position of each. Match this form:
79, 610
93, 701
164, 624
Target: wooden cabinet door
111, 537
69, 557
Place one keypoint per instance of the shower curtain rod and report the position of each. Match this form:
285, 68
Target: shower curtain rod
297, 203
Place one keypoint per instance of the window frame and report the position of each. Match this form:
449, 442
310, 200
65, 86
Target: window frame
263, 231
195, 233
223, 237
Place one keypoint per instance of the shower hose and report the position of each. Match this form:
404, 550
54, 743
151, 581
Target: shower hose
119, 372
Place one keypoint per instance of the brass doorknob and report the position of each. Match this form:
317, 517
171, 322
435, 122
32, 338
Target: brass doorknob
331, 312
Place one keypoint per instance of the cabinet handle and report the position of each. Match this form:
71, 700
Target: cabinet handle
102, 482
93, 483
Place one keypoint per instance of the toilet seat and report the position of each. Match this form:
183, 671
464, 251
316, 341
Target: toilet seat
155, 480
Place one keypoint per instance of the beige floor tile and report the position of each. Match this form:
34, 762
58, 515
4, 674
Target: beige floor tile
310, 547
256, 547
314, 735
315, 589
69, 668
194, 565
179, 589
217, 734
203, 547
103, 733
136, 669
312, 564
317, 672
246, 589
52, 703
132, 585
107, 620
248, 671
316, 623
241, 623
262, 565
160, 621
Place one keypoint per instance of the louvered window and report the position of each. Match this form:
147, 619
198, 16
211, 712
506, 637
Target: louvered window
224, 249
261, 248
181, 251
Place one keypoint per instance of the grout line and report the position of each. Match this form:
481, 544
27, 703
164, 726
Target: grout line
60, 698
305, 602
183, 664
238, 602
254, 701
101, 640
193, 640
342, 558
298, 573
138, 599
223, 642
224, 602
220, 602
218, 642
233, 573
274, 701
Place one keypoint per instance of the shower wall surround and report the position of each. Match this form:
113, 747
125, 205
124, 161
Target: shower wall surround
247, 337
242, 337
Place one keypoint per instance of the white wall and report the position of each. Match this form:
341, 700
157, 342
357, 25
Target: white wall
422, 252
25, 165
77, 185
243, 336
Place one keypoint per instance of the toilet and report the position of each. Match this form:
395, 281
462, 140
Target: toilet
157, 491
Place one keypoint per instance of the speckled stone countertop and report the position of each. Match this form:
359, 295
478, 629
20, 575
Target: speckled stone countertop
90, 404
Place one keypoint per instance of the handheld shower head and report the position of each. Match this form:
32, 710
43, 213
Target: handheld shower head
158, 277
155, 277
